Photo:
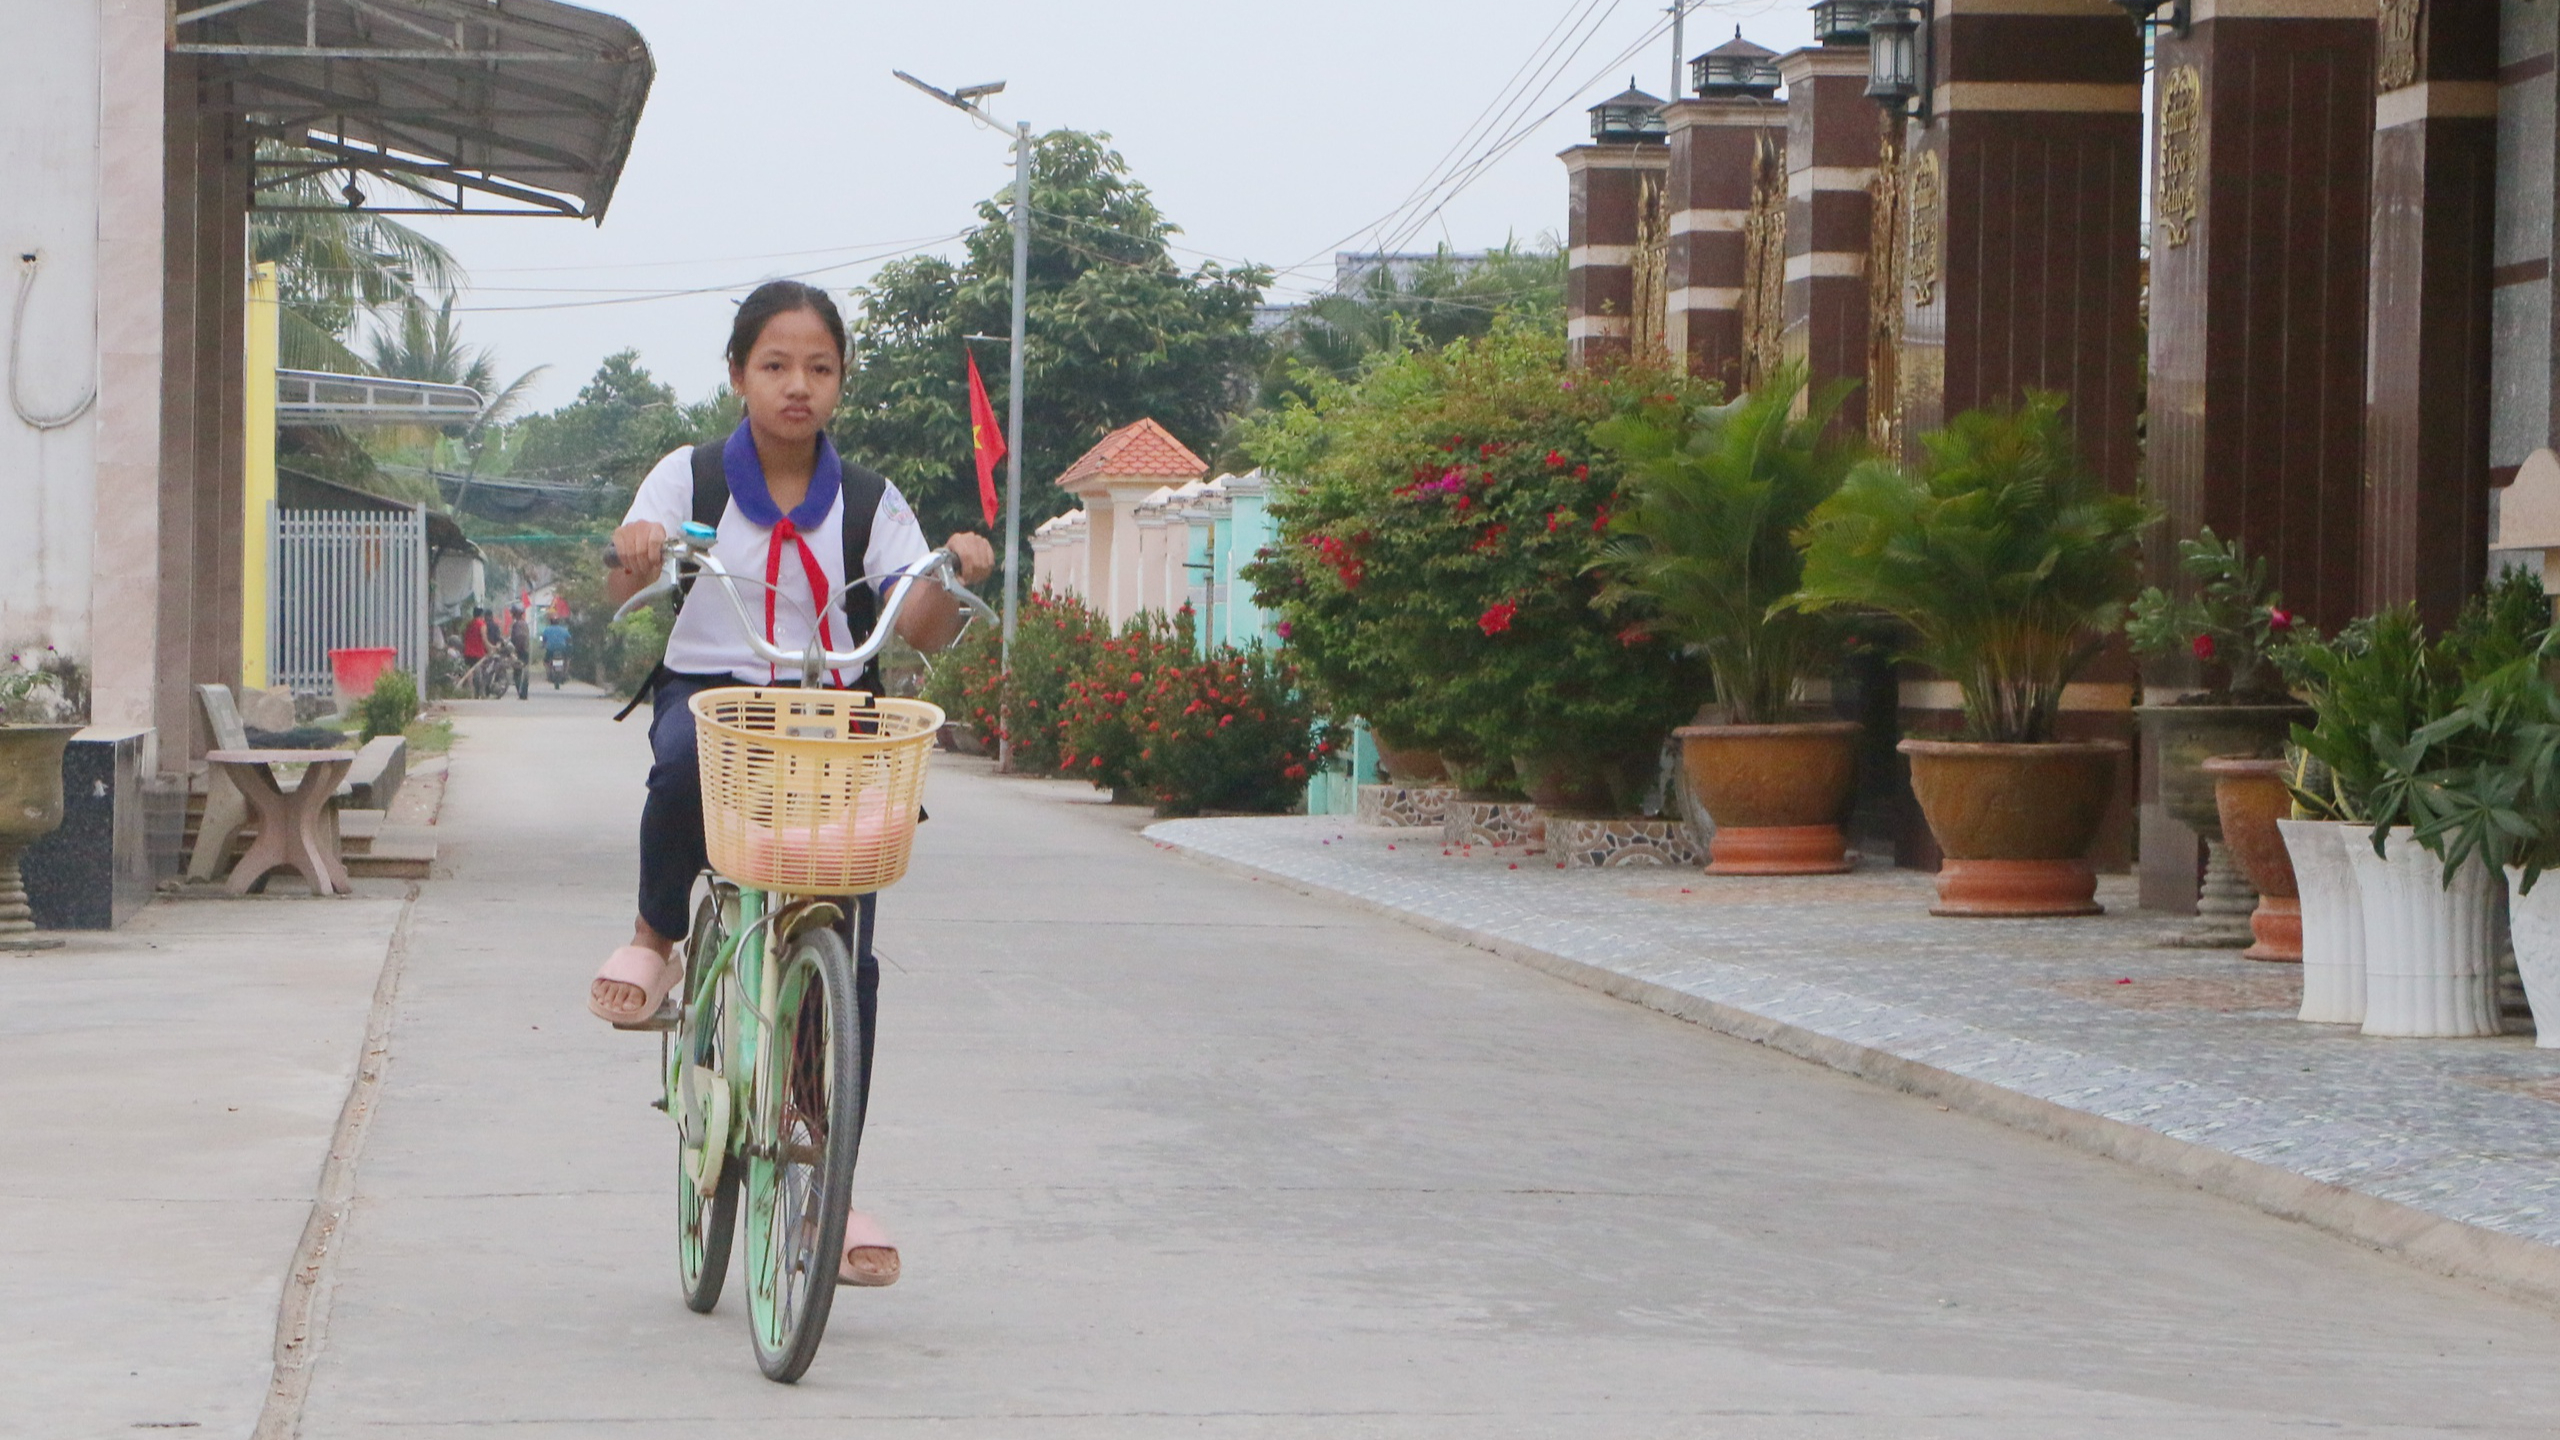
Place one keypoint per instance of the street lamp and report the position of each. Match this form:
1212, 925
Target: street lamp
966, 98
1897, 58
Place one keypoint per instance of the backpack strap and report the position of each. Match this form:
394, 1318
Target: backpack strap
861, 492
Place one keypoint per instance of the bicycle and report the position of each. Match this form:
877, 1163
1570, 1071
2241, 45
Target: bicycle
763, 1068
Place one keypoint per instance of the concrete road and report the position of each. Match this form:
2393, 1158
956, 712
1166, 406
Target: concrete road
1174, 1153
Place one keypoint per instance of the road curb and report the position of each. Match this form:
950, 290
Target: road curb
302, 1316
2517, 1267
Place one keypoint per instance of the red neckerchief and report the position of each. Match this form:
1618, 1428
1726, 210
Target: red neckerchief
819, 596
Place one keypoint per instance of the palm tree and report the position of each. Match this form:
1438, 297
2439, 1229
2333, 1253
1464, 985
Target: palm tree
427, 345
334, 264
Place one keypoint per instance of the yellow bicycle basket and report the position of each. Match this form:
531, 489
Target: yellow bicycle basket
811, 792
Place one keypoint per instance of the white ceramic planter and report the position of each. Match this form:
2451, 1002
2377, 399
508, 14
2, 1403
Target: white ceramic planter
2332, 919
2533, 921
2428, 966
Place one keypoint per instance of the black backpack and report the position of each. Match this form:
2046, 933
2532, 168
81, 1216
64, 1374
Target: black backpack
862, 491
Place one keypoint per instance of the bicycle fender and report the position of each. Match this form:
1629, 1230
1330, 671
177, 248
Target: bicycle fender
804, 916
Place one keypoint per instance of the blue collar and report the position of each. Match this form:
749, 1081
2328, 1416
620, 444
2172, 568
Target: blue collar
745, 471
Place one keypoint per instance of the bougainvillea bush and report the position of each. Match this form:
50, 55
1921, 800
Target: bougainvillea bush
1054, 640
1104, 723
1235, 731
1440, 517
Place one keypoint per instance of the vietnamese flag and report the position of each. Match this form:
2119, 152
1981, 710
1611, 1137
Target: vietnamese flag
986, 440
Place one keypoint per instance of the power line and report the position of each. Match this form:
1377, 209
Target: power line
708, 289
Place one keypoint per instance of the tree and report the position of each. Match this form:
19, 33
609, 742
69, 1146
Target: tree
334, 264
1117, 332
1445, 297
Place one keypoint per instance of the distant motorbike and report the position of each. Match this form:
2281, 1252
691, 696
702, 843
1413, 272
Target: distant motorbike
557, 667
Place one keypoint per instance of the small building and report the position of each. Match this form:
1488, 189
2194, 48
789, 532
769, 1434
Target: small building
1155, 534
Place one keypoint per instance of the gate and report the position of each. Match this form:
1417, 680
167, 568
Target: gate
341, 579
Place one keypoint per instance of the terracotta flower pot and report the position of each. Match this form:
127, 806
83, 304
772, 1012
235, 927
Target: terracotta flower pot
1407, 765
2250, 795
1776, 793
2014, 822
1569, 782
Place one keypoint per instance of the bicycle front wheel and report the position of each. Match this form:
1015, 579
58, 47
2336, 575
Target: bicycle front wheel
800, 1163
706, 1174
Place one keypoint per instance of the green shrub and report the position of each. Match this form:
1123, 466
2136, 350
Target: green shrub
1053, 643
390, 705
967, 681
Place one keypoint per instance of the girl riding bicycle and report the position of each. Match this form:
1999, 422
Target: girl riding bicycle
786, 519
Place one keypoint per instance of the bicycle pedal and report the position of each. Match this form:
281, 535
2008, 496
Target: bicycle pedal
663, 1019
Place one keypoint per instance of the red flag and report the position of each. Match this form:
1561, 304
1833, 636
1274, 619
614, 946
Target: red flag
986, 440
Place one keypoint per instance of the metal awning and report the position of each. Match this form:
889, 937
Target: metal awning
313, 397
502, 107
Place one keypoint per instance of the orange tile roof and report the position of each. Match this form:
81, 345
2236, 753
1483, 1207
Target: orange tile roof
1141, 449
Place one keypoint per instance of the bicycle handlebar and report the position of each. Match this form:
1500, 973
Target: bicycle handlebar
690, 546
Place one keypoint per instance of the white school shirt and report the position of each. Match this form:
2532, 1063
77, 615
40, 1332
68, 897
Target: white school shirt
707, 639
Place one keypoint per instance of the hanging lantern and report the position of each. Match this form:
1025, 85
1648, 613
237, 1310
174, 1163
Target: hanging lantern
2172, 13
1894, 78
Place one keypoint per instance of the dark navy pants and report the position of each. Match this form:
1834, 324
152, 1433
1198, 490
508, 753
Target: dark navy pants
671, 849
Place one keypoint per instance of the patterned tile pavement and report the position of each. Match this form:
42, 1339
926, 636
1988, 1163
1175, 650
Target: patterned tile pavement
2091, 1015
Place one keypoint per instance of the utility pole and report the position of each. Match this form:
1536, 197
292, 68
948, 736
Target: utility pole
966, 99
1679, 48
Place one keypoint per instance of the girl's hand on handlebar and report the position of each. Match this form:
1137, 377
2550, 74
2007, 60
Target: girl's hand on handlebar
639, 546
977, 558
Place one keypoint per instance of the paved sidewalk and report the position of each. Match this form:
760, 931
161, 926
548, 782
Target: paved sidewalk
166, 1104
2187, 1062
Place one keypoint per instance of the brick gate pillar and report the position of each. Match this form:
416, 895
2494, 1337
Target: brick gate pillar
2261, 204
1616, 195
1833, 141
2426, 510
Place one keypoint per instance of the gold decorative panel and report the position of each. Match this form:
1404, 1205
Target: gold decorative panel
2181, 153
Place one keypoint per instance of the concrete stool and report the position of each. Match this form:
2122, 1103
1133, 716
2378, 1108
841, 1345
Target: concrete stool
295, 827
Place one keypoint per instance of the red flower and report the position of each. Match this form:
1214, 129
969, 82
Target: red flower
1491, 537
1632, 635
2280, 621
1555, 459
1581, 472
1295, 772
1498, 618
2203, 647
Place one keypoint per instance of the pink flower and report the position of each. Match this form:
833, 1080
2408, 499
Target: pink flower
1284, 629
2280, 621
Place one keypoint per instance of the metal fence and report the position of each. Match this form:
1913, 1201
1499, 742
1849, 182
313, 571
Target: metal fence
341, 579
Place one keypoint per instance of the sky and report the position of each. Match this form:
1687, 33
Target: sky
776, 142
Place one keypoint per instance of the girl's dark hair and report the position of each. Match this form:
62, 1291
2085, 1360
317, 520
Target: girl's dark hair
780, 297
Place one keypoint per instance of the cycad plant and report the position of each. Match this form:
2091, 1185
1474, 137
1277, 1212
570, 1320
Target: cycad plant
2008, 561
1709, 506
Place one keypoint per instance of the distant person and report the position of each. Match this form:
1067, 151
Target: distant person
475, 637
555, 640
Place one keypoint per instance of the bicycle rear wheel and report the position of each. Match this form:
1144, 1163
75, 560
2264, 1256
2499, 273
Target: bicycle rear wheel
800, 1179
705, 1223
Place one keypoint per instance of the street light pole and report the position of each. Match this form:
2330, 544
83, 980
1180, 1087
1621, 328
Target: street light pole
965, 98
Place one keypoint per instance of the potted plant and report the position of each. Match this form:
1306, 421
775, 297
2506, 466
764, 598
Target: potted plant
2417, 743
2250, 801
33, 704
2009, 564
1704, 538
2226, 620
2477, 788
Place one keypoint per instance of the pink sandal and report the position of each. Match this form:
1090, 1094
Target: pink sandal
869, 1258
652, 974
